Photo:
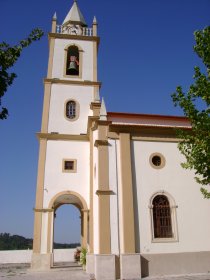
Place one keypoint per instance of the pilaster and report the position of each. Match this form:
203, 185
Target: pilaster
103, 191
127, 208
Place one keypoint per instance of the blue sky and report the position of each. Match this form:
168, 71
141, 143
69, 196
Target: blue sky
146, 50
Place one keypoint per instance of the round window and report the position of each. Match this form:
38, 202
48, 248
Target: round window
157, 160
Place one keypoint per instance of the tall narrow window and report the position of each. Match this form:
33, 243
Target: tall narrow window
72, 62
71, 109
162, 217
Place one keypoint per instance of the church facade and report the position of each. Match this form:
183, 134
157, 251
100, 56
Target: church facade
142, 214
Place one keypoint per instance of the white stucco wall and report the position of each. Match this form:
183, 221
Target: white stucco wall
59, 55
24, 256
60, 94
192, 212
57, 181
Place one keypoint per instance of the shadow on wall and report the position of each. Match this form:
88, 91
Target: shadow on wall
144, 267
135, 202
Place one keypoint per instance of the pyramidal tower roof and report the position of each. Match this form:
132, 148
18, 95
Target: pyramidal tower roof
75, 16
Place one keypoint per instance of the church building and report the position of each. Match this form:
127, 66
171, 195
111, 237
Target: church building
142, 214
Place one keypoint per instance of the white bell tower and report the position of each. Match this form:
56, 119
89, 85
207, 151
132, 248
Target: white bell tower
71, 99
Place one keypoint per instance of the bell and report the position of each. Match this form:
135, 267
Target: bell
73, 68
72, 65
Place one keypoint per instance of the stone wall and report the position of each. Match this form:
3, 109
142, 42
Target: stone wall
24, 256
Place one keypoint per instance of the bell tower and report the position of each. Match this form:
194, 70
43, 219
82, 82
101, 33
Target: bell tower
71, 99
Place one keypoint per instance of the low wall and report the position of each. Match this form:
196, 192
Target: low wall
24, 256
176, 263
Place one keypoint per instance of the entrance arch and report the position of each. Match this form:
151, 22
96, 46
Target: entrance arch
73, 198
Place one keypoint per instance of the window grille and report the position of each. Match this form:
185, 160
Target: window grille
162, 217
71, 109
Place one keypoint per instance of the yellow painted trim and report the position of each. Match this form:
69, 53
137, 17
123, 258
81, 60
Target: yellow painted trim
141, 137
95, 107
95, 55
84, 231
127, 207
149, 131
57, 136
43, 210
39, 196
46, 107
82, 200
49, 232
104, 224
71, 82
163, 160
51, 55
101, 143
84, 212
104, 192
103, 185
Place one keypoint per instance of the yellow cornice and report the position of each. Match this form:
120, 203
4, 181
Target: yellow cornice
74, 37
57, 136
59, 81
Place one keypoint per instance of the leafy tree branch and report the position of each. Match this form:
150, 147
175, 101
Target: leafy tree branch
195, 144
8, 57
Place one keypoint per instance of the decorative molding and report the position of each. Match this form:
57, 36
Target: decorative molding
101, 143
74, 37
83, 82
57, 136
104, 192
43, 210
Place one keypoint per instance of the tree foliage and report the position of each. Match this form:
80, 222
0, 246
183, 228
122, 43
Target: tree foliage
17, 242
8, 57
195, 144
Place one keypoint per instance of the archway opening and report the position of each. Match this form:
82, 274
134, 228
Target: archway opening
69, 227
67, 234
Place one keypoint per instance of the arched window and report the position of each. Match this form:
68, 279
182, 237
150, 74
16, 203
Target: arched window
72, 61
162, 224
71, 109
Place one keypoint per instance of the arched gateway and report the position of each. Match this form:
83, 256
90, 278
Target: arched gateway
45, 258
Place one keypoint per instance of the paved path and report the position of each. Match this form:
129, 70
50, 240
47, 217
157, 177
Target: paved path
53, 274
23, 273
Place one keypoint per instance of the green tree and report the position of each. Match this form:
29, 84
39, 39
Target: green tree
8, 57
195, 144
